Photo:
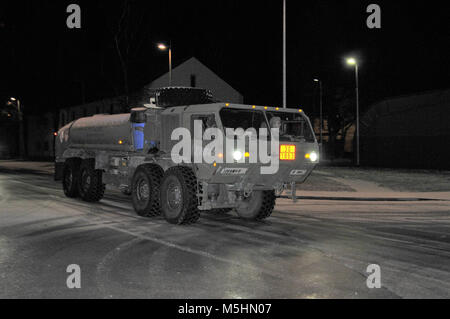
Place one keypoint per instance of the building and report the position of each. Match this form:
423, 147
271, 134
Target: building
409, 131
40, 138
105, 106
40, 129
9, 138
191, 73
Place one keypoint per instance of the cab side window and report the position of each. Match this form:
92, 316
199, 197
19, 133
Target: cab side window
208, 121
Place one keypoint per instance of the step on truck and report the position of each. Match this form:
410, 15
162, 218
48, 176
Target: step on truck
139, 153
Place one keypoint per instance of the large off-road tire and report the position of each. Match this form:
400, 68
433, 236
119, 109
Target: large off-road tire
175, 96
145, 190
90, 185
71, 174
259, 205
179, 203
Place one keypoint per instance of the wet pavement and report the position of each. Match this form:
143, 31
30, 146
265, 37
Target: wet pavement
315, 248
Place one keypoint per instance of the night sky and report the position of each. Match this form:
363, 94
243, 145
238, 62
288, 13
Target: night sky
48, 66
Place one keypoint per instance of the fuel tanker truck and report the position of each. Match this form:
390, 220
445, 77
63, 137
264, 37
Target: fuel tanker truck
177, 158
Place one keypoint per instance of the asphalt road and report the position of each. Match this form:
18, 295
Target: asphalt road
311, 249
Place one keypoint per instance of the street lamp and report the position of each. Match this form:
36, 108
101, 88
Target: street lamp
352, 61
320, 108
164, 47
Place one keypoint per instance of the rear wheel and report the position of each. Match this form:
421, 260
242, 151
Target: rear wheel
71, 172
179, 203
90, 185
145, 190
259, 205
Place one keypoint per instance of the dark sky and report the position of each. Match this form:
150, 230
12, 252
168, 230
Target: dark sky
46, 64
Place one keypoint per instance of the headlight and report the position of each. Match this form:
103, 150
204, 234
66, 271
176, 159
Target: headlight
237, 155
313, 156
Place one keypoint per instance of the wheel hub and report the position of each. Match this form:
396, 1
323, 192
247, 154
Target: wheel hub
174, 197
143, 191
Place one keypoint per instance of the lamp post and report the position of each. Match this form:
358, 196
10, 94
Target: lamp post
164, 47
352, 61
320, 108
21, 134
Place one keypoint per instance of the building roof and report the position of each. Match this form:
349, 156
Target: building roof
403, 104
194, 65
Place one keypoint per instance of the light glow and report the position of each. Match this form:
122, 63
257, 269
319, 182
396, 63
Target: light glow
351, 61
237, 155
162, 46
313, 156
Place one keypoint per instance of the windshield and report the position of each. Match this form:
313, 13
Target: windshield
293, 127
245, 119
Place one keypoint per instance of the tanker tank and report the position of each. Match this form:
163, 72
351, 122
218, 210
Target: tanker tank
107, 132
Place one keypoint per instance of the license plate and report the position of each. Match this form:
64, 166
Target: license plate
233, 171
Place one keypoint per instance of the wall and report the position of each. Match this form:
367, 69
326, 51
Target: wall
39, 136
204, 78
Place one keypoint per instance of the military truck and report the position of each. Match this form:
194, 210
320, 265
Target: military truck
133, 152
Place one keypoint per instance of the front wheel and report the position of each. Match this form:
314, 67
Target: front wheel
179, 203
258, 206
145, 190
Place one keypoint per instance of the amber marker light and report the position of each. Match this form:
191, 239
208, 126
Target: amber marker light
287, 152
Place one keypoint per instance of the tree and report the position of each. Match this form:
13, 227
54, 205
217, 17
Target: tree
340, 119
128, 35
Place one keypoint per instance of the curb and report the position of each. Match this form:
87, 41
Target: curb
365, 199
